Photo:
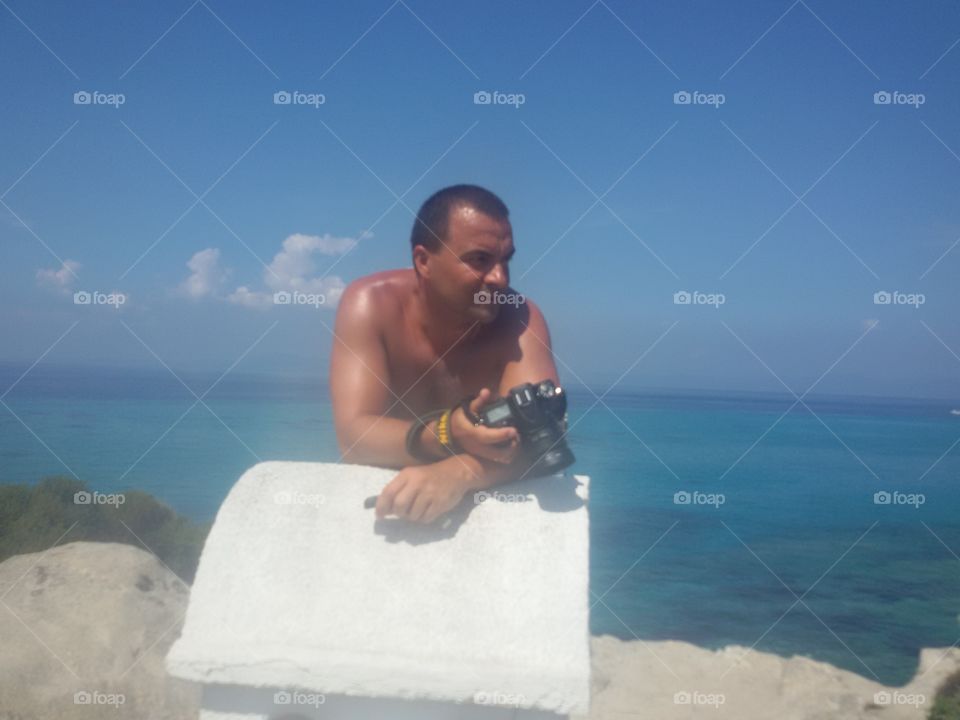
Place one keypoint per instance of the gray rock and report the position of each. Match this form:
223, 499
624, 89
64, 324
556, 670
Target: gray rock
670, 680
84, 629
99, 618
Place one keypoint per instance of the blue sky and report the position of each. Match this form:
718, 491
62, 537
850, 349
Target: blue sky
794, 201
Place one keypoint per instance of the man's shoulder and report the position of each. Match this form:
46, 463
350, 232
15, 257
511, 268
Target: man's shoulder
373, 296
521, 312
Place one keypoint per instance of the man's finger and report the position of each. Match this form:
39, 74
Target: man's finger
431, 514
404, 501
479, 401
507, 456
501, 435
420, 508
385, 501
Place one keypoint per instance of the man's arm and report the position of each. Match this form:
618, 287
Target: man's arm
421, 494
359, 389
536, 354
359, 372
534, 364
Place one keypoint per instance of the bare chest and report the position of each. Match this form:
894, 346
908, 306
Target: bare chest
428, 381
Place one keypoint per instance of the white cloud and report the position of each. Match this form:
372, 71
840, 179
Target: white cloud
249, 298
59, 279
292, 267
293, 270
206, 275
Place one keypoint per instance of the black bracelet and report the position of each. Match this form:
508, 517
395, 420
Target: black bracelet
455, 448
465, 404
413, 436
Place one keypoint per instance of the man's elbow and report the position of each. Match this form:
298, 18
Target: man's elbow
351, 449
357, 446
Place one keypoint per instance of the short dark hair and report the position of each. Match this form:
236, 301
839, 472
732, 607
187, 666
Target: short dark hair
432, 222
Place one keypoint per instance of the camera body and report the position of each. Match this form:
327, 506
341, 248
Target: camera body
538, 412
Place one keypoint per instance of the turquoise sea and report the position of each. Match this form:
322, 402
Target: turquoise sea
798, 518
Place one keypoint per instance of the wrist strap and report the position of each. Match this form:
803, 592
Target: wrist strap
465, 404
413, 436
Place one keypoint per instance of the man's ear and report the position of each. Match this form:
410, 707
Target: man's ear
421, 258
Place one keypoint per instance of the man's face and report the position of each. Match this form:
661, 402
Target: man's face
473, 259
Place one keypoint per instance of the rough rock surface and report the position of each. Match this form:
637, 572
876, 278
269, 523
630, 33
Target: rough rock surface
85, 625
667, 680
98, 619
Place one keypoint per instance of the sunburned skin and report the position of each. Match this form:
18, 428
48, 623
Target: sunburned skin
411, 341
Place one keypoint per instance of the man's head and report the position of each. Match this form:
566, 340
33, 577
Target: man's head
461, 244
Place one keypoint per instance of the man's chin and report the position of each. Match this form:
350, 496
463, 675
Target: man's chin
485, 313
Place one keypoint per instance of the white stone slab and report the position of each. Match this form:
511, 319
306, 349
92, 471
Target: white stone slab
299, 586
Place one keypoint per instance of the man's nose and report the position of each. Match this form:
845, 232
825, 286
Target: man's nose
498, 277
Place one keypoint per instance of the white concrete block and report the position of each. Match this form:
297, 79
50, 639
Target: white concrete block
301, 588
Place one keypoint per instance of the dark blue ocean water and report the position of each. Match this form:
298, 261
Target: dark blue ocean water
876, 582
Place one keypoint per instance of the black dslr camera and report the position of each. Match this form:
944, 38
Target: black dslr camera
539, 414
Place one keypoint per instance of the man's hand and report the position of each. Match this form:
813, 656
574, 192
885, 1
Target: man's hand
498, 444
421, 493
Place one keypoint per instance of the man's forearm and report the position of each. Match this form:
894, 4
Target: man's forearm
381, 440
482, 474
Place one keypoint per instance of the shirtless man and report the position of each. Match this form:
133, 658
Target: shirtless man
411, 341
